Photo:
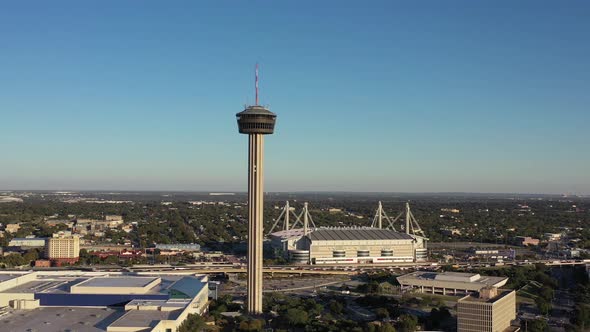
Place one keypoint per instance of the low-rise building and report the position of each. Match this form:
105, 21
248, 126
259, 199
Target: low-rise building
178, 246
526, 241
571, 252
552, 236
114, 217
105, 247
95, 301
495, 253
130, 254
53, 223
12, 228
30, 242
42, 263
127, 228
110, 222
450, 231
448, 283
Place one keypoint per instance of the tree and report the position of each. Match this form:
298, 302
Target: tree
536, 325
111, 260
336, 307
543, 305
192, 323
296, 316
385, 327
31, 255
581, 316
407, 323
382, 313
547, 293
251, 325
439, 318
13, 260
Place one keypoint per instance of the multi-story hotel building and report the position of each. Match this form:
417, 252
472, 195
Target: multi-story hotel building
63, 248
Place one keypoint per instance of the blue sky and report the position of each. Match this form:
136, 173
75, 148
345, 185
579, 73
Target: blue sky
371, 96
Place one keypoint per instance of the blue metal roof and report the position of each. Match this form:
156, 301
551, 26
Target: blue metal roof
189, 286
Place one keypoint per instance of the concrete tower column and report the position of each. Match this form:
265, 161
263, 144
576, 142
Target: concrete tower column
380, 216
255, 221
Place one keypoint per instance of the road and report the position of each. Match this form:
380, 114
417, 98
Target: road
299, 285
323, 268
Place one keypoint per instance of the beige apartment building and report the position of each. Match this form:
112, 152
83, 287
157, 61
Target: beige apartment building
63, 249
489, 311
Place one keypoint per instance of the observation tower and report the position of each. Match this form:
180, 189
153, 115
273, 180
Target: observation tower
255, 121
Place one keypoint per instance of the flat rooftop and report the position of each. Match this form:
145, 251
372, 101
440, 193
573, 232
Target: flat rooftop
145, 318
450, 279
357, 234
117, 282
61, 284
60, 319
4, 277
457, 276
476, 298
39, 286
171, 303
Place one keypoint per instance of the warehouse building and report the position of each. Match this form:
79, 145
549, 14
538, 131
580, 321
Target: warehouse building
350, 245
97, 301
27, 242
179, 247
448, 283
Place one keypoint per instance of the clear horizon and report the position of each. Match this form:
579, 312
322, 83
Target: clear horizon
393, 97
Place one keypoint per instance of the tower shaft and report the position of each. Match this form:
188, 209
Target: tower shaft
380, 215
287, 213
255, 221
408, 215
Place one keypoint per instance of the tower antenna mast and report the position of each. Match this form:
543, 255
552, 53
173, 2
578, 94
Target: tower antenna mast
256, 83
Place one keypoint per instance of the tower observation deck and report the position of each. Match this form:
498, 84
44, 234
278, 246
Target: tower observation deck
256, 120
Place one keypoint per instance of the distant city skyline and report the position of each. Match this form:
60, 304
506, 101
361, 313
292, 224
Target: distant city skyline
430, 97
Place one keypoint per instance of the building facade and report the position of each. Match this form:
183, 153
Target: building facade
488, 312
360, 245
448, 283
97, 301
63, 249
